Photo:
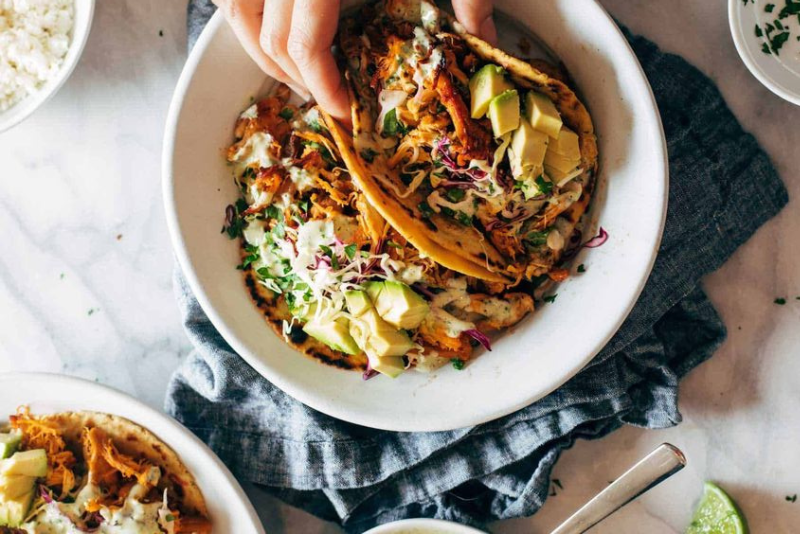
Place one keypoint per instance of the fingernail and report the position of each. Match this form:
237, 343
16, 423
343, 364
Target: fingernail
300, 90
489, 31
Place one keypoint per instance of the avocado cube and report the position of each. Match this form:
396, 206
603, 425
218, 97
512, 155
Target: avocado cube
304, 312
373, 289
542, 114
14, 511
401, 306
557, 176
489, 82
31, 463
335, 334
12, 486
391, 366
9, 443
504, 113
529, 146
381, 338
559, 162
567, 144
357, 302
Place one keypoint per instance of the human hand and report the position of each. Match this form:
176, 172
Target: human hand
291, 41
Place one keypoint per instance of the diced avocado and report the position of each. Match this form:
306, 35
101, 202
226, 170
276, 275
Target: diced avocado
303, 312
542, 114
391, 366
557, 176
373, 289
9, 443
559, 162
401, 306
529, 146
335, 334
566, 144
12, 486
31, 463
14, 511
484, 86
357, 302
504, 112
379, 337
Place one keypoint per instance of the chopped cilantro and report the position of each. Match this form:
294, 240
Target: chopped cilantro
769, 8
545, 186
170, 518
426, 209
253, 254
304, 205
286, 114
779, 25
92, 311
777, 42
759, 33
551, 298
392, 125
457, 364
249, 172
350, 251
791, 498
581, 268
780, 301
395, 245
368, 155
319, 148
315, 126
765, 48
537, 239
455, 195
464, 218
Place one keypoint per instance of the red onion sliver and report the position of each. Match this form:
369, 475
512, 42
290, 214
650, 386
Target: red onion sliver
480, 337
597, 240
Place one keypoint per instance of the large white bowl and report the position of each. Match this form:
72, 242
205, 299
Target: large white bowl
84, 13
533, 359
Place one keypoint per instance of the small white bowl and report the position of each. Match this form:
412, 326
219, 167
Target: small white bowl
423, 526
780, 74
84, 13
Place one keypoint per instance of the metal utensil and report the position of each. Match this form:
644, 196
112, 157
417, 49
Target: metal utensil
656, 467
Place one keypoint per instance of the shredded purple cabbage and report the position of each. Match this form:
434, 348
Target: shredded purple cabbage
480, 337
424, 290
598, 240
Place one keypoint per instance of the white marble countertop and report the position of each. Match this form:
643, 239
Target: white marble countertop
85, 270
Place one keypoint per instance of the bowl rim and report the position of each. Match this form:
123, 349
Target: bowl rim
660, 174
753, 62
33, 102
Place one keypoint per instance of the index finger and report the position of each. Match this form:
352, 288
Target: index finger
313, 29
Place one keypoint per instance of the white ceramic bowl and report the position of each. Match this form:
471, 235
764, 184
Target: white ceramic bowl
528, 362
84, 13
423, 526
228, 506
779, 73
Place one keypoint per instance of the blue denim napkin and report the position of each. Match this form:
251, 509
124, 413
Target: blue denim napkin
723, 189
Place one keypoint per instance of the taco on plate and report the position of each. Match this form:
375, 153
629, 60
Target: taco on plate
78, 472
329, 274
471, 154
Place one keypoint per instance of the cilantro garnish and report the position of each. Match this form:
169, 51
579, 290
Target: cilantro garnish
464, 218
426, 209
455, 195
392, 125
350, 251
368, 155
545, 186
458, 365
769, 8
537, 239
780, 301
550, 298
286, 114
253, 254
581, 268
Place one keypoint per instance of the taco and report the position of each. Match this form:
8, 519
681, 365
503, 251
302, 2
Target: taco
92, 472
328, 273
471, 154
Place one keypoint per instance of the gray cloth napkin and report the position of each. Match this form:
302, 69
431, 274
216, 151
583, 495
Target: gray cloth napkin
723, 189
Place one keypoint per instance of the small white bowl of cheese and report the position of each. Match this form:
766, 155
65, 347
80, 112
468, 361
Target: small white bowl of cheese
41, 42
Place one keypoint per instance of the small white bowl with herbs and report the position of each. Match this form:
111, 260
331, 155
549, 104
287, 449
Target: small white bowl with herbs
40, 44
767, 36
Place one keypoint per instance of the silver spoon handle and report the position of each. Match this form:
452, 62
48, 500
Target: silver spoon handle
658, 466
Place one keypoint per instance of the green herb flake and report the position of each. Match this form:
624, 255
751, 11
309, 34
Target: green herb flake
396, 245
545, 186
455, 195
537, 239
550, 298
350, 251
92, 311
759, 33
392, 125
368, 155
286, 114
464, 218
792, 498
425, 209
458, 365
62, 276
581, 268
765, 48
780, 301
769, 8
777, 42
170, 518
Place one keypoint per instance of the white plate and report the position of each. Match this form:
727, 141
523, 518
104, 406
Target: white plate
84, 13
423, 526
543, 351
779, 73
228, 506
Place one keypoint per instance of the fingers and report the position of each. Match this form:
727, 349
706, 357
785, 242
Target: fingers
244, 17
476, 16
275, 28
309, 47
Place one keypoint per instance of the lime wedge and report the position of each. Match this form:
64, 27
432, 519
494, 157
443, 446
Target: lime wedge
716, 514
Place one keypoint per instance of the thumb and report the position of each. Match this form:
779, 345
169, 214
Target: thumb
476, 16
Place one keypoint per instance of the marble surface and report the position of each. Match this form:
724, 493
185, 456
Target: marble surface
85, 271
